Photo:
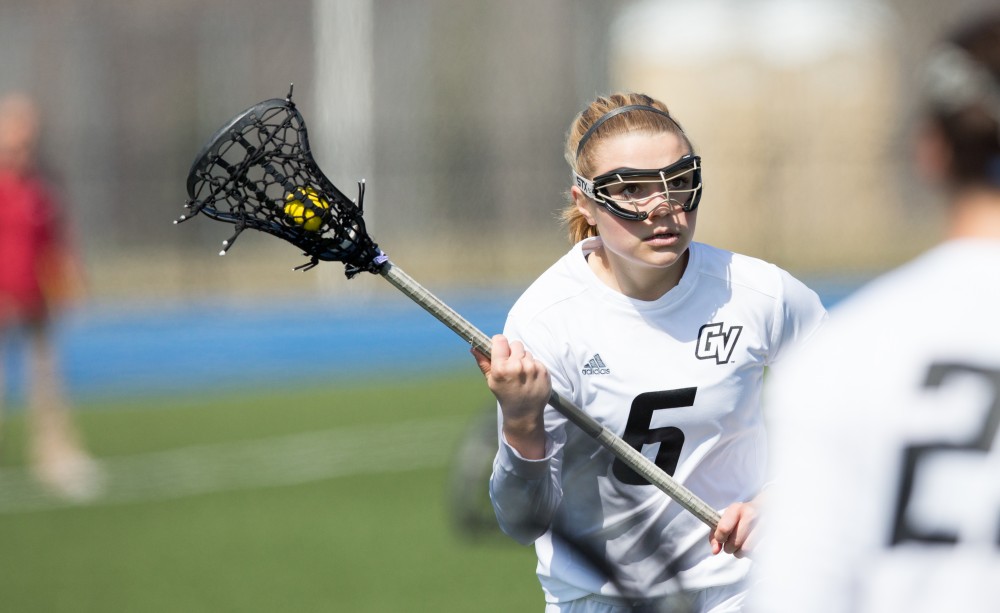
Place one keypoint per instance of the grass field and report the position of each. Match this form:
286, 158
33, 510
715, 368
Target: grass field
318, 498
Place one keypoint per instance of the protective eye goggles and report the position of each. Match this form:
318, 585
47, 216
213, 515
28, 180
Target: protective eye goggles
634, 193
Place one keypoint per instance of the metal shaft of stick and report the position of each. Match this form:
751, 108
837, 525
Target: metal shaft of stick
615, 444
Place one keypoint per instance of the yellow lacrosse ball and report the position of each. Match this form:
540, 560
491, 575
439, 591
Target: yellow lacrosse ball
303, 215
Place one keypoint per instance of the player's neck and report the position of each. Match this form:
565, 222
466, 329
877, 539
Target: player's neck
638, 282
975, 213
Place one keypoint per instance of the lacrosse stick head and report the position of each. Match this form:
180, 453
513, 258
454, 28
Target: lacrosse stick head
257, 172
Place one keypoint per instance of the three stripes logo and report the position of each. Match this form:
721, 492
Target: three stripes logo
716, 342
596, 366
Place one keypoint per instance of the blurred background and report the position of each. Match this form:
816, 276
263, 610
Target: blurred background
455, 113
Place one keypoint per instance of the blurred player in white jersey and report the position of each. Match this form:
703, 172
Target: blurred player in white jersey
887, 496
664, 341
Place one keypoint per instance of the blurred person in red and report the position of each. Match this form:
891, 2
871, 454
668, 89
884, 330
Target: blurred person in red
39, 275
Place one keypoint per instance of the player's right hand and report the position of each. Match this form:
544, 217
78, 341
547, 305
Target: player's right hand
522, 386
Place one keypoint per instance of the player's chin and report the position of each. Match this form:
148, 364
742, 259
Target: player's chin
664, 255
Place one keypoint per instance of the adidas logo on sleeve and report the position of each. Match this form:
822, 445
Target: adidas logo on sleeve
596, 366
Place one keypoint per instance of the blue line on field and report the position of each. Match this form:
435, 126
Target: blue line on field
197, 346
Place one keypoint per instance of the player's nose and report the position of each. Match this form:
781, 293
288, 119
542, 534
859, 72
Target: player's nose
659, 205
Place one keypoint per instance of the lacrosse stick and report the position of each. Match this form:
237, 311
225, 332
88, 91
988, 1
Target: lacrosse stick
258, 172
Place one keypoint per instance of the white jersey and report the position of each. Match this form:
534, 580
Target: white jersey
680, 379
885, 441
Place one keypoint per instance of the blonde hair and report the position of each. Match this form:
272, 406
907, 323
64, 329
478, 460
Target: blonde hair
582, 163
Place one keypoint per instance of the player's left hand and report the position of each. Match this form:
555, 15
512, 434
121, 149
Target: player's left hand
735, 532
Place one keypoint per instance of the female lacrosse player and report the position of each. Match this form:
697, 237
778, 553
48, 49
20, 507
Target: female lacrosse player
664, 341
896, 465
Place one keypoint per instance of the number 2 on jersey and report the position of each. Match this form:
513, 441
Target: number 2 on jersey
914, 455
639, 431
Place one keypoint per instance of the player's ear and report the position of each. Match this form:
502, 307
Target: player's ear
584, 204
931, 153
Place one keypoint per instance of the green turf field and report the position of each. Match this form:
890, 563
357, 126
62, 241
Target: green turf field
331, 498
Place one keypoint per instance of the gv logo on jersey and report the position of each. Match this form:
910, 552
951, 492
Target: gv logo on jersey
715, 341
